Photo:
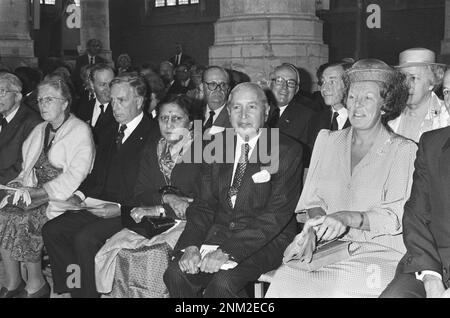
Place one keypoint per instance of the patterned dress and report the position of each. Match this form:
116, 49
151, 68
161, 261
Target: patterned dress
20, 231
378, 186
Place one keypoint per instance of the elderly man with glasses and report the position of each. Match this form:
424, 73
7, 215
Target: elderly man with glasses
216, 87
288, 114
16, 123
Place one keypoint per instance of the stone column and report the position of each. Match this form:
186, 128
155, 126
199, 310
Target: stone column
95, 24
445, 46
254, 36
16, 46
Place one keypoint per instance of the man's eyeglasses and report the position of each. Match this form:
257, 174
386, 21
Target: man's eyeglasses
279, 81
212, 86
446, 91
3, 92
48, 99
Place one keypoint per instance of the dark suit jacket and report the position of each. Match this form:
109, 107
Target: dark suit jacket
103, 128
185, 59
11, 140
262, 223
426, 220
322, 120
297, 122
126, 169
185, 176
222, 120
81, 61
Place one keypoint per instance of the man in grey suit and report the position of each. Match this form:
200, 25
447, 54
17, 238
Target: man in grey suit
16, 123
216, 87
246, 210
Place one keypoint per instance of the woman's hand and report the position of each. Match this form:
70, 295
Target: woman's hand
138, 213
178, 204
304, 244
333, 226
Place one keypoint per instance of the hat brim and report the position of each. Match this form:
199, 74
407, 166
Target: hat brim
410, 64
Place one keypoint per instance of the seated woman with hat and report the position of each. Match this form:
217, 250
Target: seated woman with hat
424, 111
358, 181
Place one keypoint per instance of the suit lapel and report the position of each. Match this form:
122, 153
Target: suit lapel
225, 170
253, 167
444, 167
13, 126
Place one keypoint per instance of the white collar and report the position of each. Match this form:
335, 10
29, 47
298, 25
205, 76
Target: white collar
343, 112
11, 115
252, 142
216, 112
131, 126
97, 104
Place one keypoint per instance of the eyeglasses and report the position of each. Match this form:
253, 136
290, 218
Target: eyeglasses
212, 86
446, 91
279, 81
3, 92
48, 99
173, 119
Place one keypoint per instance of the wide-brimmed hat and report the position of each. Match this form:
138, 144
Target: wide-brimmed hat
370, 70
417, 57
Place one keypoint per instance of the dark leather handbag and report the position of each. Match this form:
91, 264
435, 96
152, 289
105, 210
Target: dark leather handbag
149, 226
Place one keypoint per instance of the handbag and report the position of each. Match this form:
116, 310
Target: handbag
326, 254
149, 226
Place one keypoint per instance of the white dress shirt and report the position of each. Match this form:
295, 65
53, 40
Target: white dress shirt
282, 109
131, 126
97, 111
10, 117
342, 118
239, 142
216, 113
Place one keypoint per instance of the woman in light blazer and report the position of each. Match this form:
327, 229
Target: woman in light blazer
57, 157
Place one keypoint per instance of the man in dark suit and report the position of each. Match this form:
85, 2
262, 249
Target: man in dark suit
246, 208
288, 114
425, 269
16, 123
75, 237
216, 87
332, 88
181, 58
91, 57
98, 112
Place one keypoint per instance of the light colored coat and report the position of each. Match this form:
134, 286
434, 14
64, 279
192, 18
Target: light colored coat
73, 151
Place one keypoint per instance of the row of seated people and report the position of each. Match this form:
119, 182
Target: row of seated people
359, 180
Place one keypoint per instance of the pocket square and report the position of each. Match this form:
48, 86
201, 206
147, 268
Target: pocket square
261, 177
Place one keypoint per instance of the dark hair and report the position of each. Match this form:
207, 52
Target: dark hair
184, 102
134, 80
394, 92
323, 67
60, 86
99, 67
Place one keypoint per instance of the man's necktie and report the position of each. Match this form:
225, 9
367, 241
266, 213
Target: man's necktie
210, 120
120, 136
3, 122
273, 120
101, 116
239, 174
334, 122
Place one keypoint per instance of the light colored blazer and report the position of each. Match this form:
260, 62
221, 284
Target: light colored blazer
379, 185
73, 151
437, 117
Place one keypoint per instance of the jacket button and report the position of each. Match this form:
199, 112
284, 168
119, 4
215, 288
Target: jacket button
232, 225
444, 270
